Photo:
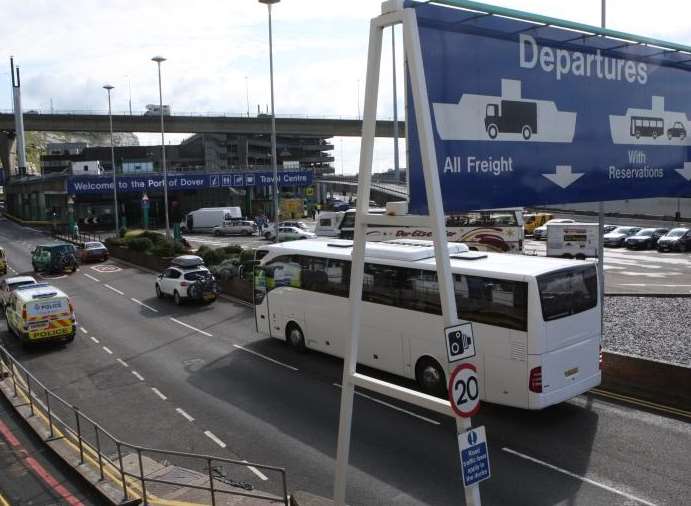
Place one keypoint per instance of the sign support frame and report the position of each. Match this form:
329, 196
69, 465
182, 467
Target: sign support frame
393, 13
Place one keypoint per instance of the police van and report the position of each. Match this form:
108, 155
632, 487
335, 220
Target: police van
41, 312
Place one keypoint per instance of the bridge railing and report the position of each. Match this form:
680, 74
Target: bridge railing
123, 462
215, 114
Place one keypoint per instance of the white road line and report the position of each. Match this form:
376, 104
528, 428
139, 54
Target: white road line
191, 327
107, 350
138, 376
184, 414
651, 284
144, 305
95, 340
213, 438
266, 358
578, 477
158, 392
256, 471
114, 289
83, 330
92, 278
122, 362
388, 405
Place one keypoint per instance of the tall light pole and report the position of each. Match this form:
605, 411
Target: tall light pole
274, 161
108, 87
129, 87
247, 96
159, 60
396, 163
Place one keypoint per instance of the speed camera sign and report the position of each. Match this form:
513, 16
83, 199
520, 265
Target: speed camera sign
460, 343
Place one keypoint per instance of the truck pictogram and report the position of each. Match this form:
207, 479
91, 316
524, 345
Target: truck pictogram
513, 117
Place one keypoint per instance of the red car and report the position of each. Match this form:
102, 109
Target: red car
94, 251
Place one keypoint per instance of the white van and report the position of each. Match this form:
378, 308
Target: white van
206, 218
572, 240
40, 312
329, 223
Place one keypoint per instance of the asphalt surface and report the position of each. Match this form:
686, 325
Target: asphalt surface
30, 473
284, 411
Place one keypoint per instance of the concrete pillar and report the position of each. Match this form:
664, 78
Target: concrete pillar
6, 149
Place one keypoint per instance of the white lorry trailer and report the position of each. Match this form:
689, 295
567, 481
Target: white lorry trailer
206, 218
572, 240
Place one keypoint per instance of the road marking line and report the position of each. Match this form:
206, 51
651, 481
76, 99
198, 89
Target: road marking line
256, 471
114, 289
92, 278
578, 477
641, 402
265, 357
158, 392
3, 501
191, 327
83, 330
213, 438
107, 350
388, 405
122, 362
144, 305
138, 376
184, 414
95, 340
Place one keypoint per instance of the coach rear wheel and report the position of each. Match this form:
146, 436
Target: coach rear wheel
430, 376
295, 337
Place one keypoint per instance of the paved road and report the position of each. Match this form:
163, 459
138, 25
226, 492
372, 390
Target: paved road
206, 382
30, 473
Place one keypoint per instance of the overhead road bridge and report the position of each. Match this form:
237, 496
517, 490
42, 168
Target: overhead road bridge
349, 184
78, 122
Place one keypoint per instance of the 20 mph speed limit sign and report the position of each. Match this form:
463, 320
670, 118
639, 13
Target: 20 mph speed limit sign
464, 390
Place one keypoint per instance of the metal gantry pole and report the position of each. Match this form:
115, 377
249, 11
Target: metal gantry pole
396, 162
601, 223
108, 88
159, 60
274, 161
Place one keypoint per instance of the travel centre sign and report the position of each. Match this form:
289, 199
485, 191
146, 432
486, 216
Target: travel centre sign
80, 185
525, 114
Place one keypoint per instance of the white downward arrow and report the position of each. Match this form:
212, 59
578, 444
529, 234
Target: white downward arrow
686, 171
563, 176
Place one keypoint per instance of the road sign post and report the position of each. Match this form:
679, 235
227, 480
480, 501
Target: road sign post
472, 447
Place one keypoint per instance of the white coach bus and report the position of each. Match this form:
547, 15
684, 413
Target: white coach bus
536, 320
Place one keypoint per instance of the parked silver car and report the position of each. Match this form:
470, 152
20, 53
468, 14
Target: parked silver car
236, 227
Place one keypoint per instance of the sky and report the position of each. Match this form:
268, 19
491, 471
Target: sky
218, 55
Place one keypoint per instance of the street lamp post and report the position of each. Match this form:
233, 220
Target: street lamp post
274, 161
159, 60
108, 88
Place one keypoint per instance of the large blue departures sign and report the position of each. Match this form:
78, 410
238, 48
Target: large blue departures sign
81, 185
526, 113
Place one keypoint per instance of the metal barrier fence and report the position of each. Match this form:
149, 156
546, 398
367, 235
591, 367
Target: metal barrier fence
93, 443
62, 232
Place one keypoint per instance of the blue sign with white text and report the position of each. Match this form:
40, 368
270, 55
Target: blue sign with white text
527, 114
474, 456
80, 185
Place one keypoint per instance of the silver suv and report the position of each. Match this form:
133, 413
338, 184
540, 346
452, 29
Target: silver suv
235, 227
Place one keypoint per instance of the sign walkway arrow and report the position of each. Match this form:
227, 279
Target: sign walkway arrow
686, 171
563, 176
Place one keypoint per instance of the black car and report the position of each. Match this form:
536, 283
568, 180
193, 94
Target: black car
645, 238
677, 130
677, 239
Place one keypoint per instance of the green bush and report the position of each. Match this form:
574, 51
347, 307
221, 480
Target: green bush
163, 249
122, 232
115, 241
247, 255
233, 249
216, 256
203, 249
155, 237
228, 269
141, 244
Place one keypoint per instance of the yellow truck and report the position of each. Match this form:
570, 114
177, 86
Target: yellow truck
533, 220
38, 313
